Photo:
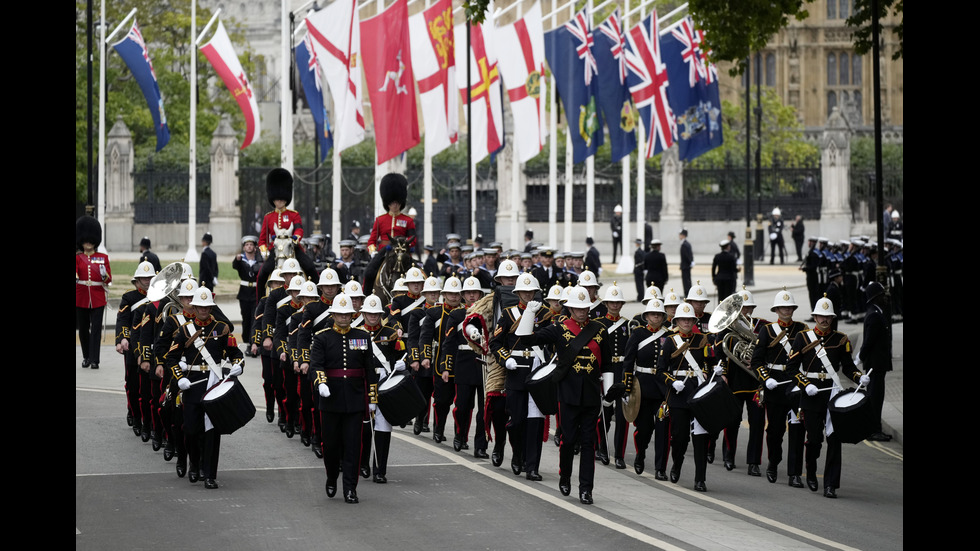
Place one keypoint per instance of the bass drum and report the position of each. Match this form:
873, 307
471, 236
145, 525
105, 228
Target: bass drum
228, 405
541, 385
714, 406
399, 398
853, 416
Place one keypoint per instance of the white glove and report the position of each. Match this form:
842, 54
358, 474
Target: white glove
373, 407
626, 400
606, 404
400, 365
102, 272
812, 390
719, 370
533, 306
771, 383
183, 383
525, 326
607, 382
865, 380
678, 386
323, 389
511, 364
236, 370
215, 282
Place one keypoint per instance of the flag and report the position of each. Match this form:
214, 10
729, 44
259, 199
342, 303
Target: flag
337, 42
132, 48
614, 96
309, 76
388, 71
486, 130
434, 63
569, 52
223, 58
693, 91
520, 48
648, 84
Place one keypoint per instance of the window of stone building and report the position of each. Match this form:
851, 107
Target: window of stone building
831, 9
771, 70
768, 72
844, 84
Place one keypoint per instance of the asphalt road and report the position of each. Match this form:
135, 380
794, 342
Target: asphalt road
272, 496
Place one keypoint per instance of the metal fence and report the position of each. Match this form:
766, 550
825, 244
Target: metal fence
864, 192
718, 192
160, 196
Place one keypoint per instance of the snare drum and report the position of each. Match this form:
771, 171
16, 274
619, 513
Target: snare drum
399, 398
714, 406
853, 416
543, 388
228, 405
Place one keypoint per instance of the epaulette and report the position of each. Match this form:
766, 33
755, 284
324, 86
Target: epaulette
324, 329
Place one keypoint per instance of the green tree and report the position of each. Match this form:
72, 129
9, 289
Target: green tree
165, 25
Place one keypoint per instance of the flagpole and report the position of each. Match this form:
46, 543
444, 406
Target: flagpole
428, 238
285, 86
590, 172
191, 254
641, 168
100, 207
469, 113
120, 25
569, 167
553, 157
626, 262
515, 179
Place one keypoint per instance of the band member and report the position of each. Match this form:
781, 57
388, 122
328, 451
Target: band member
435, 326
684, 358
402, 305
467, 367
618, 328
388, 349
525, 426
642, 357
284, 310
584, 355
769, 359
247, 263
817, 357
346, 381
744, 384
269, 386
278, 297
308, 294
416, 347
125, 345
394, 196
92, 274
203, 346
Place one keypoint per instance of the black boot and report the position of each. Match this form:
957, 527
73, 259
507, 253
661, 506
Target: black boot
382, 443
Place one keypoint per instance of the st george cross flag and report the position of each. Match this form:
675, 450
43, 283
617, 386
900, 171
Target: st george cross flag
648, 83
388, 72
309, 75
223, 58
569, 52
520, 47
693, 91
336, 33
132, 48
614, 96
434, 64
487, 127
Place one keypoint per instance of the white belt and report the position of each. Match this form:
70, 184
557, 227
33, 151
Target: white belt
202, 368
89, 283
686, 372
244, 283
465, 347
819, 375
647, 370
777, 367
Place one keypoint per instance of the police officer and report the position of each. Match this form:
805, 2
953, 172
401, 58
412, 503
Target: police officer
346, 381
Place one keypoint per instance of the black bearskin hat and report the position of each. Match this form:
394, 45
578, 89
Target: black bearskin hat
279, 185
394, 188
88, 230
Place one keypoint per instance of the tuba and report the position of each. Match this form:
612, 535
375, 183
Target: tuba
739, 343
165, 284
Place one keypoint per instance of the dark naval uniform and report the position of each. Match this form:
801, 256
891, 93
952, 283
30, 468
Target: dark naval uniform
769, 360
641, 361
248, 273
619, 330
280, 345
435, 326
124, 332
392, 348
421, 374
467, 368
342, 360
808, 368
746, 389
315, 317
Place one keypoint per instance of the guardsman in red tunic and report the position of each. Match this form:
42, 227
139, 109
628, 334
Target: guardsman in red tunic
92, 274
394, 195
279, 189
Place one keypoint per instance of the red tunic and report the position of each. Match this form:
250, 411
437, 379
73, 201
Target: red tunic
386, 226
89, 293
279, 219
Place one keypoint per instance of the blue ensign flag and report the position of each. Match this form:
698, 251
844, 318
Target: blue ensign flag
614, 95
132, 49
309, 75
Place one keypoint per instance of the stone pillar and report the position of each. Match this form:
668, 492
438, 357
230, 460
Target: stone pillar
226, 220
507, 224
672, 209
835, 160
119, 215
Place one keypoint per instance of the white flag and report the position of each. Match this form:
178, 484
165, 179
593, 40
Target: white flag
520, 48
486, 130
434, 63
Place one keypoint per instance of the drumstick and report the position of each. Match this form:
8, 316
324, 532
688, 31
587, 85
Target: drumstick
784, 382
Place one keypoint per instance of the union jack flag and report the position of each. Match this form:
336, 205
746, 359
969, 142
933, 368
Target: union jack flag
581, 29
709, 68
612, 27
648, 84
690, 39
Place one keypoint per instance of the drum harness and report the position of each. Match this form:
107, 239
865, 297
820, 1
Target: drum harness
821, 353
213, 367
685, 348
643, 344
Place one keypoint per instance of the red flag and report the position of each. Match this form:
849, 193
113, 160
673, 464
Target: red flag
221, 54
386, 50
